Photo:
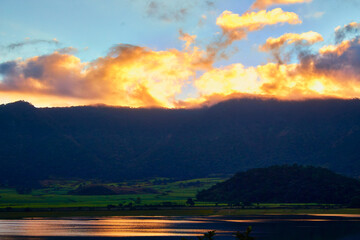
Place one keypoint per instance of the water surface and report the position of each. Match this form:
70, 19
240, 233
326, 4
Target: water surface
266, 227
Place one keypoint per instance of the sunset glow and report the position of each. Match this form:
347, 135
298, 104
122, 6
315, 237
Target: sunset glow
298, 65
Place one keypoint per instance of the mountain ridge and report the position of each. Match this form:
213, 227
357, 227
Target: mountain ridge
124, 143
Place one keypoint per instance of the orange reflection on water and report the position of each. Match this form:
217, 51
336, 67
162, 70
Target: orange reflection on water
278, 220
109, 227
336, 215
247, 220
142, 226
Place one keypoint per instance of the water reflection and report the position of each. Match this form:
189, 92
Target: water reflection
337, 215
112, 227
279, 220
334, 227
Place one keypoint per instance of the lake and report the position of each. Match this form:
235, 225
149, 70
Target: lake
266, 227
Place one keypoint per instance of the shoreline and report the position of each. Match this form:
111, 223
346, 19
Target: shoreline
183, 211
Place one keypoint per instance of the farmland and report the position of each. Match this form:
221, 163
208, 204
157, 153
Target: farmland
55, 194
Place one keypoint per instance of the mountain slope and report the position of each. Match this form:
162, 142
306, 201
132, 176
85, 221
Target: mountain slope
121, 143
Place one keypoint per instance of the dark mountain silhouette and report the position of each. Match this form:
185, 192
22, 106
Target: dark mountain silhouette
121, 143
284, 184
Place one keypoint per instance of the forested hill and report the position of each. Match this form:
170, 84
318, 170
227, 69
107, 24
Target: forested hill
285, 184
120, 143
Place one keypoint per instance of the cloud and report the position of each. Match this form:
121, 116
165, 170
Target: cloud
262, 4
56, 74
187, 38
227, 80
338, 49
8, 68
67, 50
202, 20
341, 45
326, 74
348, 29
281, 53
129, 76
137, 76
343, 60
173, 11
236, 27
14, 46
278, 46
306, 38
315, 15
159, 9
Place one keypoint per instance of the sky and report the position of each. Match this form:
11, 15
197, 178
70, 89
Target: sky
177, 53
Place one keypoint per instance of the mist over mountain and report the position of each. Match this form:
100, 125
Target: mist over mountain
111, 143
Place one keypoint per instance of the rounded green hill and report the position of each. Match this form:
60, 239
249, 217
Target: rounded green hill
284, 184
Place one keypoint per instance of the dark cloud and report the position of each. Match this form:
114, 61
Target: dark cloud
67, 50
161, 10
288, 45
341, 65
348, 61
8, 68
174, 11
51, 74
14, 46
350, 29
33, 70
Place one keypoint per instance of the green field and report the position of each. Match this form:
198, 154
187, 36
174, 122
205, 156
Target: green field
55, 194
52, 200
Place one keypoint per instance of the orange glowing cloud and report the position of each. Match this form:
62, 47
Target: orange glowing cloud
227, 80
128, 75
295, 81
187, 38
51, 74
261, 4
281, 81
336, 49
141, 77
333, 72
236, 27
290, 38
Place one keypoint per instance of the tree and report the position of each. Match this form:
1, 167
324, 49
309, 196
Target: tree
110, 206
355, 202
190, 202
138, 200
208, 236
244, 235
